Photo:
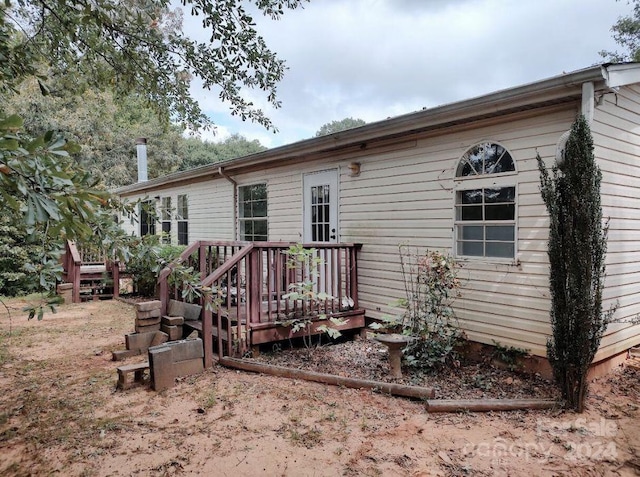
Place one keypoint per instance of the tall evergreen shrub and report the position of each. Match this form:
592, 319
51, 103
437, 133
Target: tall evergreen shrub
577, 247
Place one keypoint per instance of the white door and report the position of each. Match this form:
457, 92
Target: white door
320, 213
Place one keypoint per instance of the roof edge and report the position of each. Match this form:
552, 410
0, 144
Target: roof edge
555, 87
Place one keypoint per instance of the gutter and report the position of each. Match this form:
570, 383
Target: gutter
492, 104
222, 173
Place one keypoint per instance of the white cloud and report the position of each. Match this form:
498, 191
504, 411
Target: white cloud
378, 58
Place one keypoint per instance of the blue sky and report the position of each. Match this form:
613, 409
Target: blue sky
373, 59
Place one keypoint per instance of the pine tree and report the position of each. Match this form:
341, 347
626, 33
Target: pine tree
576, 249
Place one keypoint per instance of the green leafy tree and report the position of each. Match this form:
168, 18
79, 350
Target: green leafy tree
134, 47
576, 249
104, 126
626, 32
337, 126
197, 153
139, 46
17, 248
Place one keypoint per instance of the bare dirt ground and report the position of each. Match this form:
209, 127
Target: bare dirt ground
60, 414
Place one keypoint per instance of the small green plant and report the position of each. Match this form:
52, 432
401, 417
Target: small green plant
306, 263
510, 355
431, 283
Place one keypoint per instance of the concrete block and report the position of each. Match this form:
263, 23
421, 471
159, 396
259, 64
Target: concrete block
174, 332
138, 341
147, 321
159, 338
188, 367
187, 349
144, 315
149, 305
146, 329
161, 364
125, 353
191, 312
173, 320
187, 310
125, 372
175, 308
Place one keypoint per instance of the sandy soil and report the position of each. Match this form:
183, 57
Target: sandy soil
60, 414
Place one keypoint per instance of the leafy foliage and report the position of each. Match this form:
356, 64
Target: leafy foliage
197, 153
307, 263
431, 283
626, 32
337, 126
576, 249
139, 46
17, 248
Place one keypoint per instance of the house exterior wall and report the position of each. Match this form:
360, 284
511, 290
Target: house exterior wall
210, 214
405, 194
616, 133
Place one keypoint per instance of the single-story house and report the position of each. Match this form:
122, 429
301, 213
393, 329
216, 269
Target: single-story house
460, 178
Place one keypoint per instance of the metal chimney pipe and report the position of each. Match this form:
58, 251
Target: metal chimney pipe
141, 149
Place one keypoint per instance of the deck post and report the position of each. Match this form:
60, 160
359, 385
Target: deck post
164, 294
202, 260
207, 332
115, 276
254, 280
354, 274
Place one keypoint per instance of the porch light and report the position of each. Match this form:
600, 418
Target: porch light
354, 169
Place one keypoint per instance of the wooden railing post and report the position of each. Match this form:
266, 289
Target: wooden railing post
354, 273
164, 294
207, 328
254, 284
115, 276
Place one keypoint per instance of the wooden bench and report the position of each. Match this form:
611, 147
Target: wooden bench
125, 373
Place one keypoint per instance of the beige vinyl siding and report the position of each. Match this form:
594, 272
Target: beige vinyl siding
210, 211
407, 197
616, 132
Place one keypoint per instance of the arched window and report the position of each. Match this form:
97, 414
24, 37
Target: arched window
485, 221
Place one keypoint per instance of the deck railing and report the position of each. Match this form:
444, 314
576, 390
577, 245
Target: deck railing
251, 282
79, 264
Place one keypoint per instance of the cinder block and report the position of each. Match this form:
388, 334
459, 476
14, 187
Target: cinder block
174, 332
187, 310
161, 364
146, 329
147, 321
125, 353
191, 312
138, 341
144, 315
149, 305
176, 308
159, 338
173, 320
190, 366
187, 349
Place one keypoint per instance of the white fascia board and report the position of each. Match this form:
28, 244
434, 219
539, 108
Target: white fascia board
621, 74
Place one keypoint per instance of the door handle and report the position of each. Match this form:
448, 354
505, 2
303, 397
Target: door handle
333, 234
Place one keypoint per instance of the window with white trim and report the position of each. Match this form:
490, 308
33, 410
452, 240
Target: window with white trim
147, 218
165, 217
183, 219
252, 212
485, 219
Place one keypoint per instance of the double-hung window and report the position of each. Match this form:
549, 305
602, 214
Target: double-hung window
485, 210
165, 216
183, 220
252, 216
147, 218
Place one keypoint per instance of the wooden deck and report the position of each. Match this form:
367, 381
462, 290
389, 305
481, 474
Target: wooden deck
91, 279
251, 281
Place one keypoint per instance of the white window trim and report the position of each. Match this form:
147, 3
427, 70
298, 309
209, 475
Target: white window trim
239, 218
486, 181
